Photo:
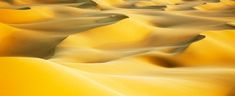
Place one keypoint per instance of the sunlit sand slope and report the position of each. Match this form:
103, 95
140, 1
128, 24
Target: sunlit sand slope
117, 48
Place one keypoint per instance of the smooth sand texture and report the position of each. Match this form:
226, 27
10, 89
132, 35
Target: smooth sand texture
117, 48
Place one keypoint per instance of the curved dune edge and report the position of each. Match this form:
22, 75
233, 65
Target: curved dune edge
25, 16
216, 48
117, 48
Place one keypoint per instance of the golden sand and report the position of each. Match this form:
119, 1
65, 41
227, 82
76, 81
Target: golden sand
117, 48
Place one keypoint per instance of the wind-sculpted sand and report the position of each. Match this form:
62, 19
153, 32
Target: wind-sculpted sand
117, 48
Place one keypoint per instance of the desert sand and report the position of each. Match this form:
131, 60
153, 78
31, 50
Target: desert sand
117, 48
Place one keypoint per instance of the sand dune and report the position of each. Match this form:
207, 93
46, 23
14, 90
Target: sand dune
117, 48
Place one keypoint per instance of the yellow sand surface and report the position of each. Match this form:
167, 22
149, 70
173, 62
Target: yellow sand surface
117, 48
